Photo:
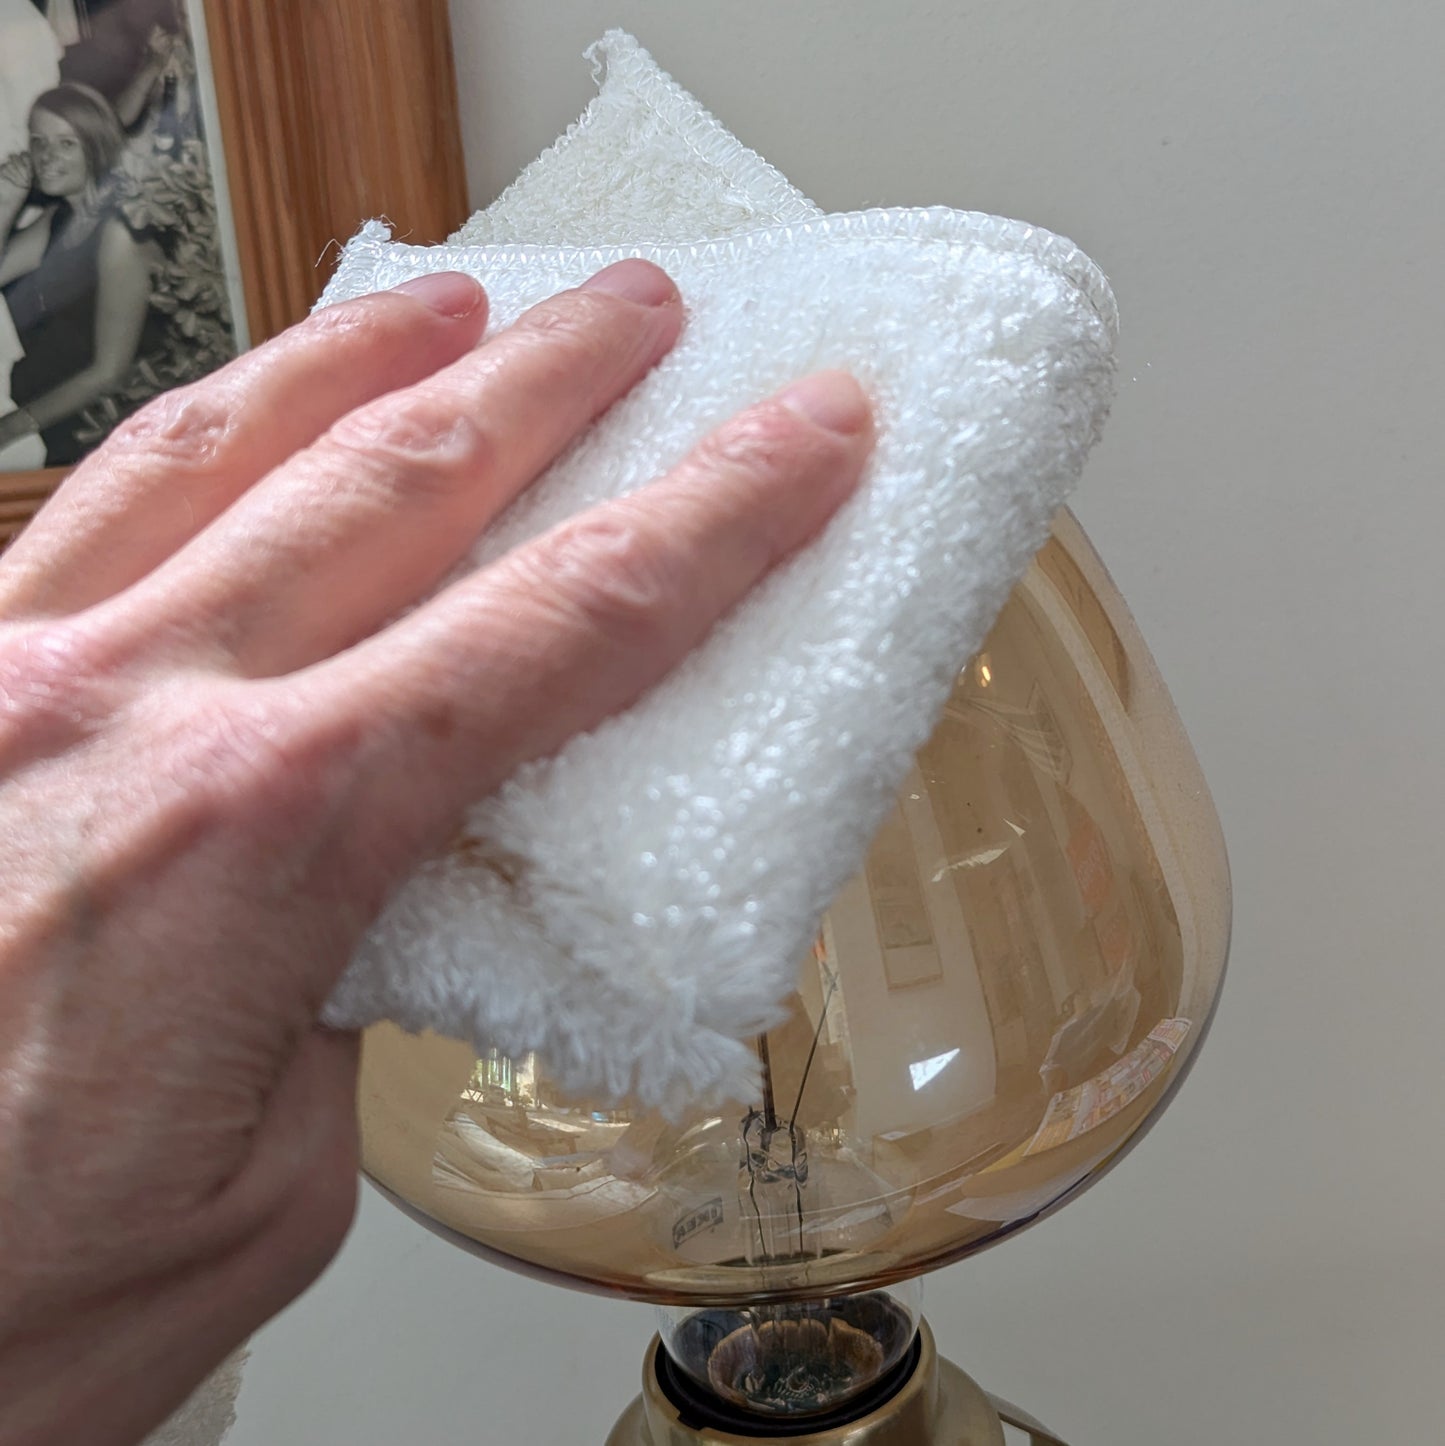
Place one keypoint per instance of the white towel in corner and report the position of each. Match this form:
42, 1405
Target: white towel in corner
666, 872
644, 162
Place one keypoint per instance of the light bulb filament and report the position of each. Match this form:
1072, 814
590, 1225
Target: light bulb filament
775, 1159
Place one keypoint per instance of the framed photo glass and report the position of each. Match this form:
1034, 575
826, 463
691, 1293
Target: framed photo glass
113, 252
173, 174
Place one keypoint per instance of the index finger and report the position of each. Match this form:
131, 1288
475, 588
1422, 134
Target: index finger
163, 476
506, 665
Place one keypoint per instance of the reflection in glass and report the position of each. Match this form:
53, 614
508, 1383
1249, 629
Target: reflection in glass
995, 1005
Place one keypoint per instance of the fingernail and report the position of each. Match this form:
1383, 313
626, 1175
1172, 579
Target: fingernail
448, 293
634, 280
831, 400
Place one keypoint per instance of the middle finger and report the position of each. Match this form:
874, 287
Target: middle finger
355, 528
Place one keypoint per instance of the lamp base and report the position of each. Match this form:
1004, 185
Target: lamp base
936, 1406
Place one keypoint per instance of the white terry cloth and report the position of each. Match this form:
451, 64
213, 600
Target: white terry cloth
634, 908
644, 162
207, 1417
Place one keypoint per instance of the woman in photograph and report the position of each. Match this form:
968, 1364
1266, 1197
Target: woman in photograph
76, 280
29, 65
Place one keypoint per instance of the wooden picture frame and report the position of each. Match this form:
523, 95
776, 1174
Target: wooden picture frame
330, 112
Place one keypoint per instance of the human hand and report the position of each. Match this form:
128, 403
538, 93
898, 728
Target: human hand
161, 45
219, 754
16, 175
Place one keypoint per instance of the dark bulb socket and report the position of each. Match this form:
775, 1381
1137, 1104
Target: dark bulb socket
799, 1392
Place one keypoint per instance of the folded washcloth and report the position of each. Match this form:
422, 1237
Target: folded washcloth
665, 873
645, 162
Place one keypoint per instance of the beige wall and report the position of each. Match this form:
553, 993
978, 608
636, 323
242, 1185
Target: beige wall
1263, 181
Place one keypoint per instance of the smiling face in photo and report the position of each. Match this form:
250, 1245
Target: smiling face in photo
57, 154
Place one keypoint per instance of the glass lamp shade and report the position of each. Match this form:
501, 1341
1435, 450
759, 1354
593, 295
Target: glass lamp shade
994, 1009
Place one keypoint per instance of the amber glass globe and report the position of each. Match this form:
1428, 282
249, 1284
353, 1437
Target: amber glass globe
995, 1007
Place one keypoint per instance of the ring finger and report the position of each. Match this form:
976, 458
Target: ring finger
362, 523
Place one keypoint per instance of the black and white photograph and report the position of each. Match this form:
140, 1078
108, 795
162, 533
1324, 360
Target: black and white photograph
113, 282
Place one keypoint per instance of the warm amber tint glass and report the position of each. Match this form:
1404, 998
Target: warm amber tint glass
995, 1006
